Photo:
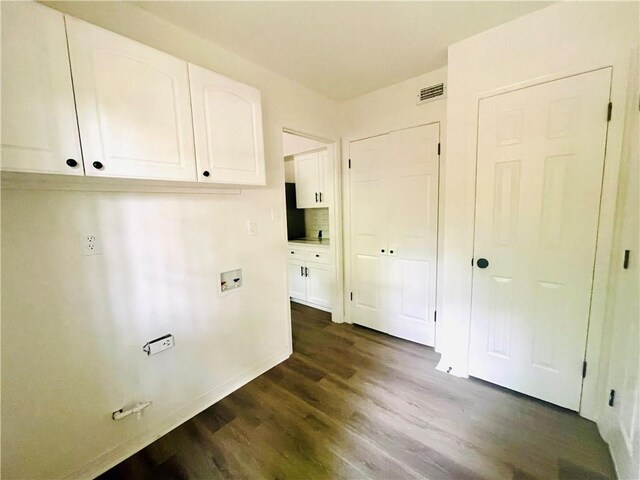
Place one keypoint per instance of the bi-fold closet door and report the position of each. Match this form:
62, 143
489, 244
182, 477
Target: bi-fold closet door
394, 215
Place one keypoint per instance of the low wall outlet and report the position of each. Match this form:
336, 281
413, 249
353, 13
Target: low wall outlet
230, 281
159, 345
90, 244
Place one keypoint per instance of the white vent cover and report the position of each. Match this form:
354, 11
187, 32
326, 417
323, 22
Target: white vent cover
431, 93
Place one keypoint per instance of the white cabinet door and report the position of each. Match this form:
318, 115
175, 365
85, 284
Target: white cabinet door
227, 123
319, 289
308, 174
540, 162
297, 279
39, 128
134, 107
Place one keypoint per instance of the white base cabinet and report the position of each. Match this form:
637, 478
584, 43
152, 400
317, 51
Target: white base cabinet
310, 276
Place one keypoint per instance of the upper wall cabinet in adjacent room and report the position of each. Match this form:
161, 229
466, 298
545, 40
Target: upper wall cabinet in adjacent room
227, 123
133, 104
39, 129
310, 169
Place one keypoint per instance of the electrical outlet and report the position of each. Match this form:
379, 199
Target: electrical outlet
252, 227
90, 244
159, 345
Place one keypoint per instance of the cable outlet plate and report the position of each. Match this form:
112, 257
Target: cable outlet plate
159, 344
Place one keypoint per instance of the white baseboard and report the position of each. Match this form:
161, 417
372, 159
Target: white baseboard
123, 451
309, 304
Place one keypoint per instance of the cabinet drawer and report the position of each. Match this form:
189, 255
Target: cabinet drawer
296, 253
318, 256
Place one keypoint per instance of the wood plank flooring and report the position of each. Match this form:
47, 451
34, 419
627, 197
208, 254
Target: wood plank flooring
352, 403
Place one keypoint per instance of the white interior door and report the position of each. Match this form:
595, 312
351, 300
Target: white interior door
413, 232
39, 128
227, 124
367, 233
134, 106
540, 162
394, 202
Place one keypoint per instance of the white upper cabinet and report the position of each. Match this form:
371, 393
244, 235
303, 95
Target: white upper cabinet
227, 123
310, 171
134, 108
39, 130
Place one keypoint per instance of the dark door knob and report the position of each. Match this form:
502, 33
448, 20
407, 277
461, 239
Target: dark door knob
98, 165
482, 263
382, 251
71, 162
206, 173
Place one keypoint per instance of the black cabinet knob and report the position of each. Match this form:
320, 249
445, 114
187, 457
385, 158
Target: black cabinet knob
206, 173
482, 263
71, 162
382, 251
390, 251
98, 165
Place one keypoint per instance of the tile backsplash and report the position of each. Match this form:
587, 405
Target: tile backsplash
316, 219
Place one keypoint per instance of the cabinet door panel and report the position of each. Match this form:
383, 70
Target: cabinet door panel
227, 122
134, 108
319, 285
307, 170
297, 280
39, 129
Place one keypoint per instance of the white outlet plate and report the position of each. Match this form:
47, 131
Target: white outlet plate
90, 244
159, 345
252, 227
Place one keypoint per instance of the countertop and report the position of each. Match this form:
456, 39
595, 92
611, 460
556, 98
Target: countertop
324, 242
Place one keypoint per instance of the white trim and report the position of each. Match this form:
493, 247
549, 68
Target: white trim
119, 453
337, 309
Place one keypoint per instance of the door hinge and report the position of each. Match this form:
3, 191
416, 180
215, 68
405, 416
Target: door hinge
472, 262
609, 111
612, 398
625, 262
349, 163
584, 369
351, 296
438, 148
435, 316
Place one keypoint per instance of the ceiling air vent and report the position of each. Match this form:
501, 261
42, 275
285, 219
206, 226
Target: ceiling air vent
431, 93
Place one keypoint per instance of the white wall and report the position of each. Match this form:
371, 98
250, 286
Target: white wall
565, 38
393, 108
73, 326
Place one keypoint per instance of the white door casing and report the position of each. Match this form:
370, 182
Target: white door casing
394, 204
134, 107
39, 128
539, 178
227, 124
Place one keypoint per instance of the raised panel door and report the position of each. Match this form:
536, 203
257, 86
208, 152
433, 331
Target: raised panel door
39, 127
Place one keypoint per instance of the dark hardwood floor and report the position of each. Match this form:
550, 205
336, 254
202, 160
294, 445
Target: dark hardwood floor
353, 403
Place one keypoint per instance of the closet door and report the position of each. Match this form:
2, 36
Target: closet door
134, 108
413, 232
369, 217
227, 122
39, 129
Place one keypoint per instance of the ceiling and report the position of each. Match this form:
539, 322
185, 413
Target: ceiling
340, 49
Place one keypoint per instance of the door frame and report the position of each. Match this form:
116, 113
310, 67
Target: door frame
335, 220
346, 196
604, 239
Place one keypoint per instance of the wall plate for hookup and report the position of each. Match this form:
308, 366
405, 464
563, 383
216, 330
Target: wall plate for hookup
230, 281
159, 344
